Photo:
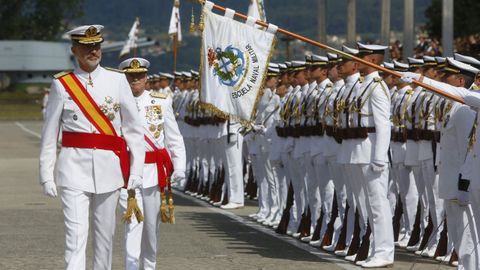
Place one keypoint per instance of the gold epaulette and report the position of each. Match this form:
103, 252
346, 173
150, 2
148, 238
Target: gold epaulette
328, 85
61, 74
114, 69
377, 79
361, 79
157, 94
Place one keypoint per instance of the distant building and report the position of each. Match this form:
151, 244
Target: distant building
33, 61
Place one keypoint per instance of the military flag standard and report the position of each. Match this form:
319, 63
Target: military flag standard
175, 27
132, 38
235, 57
256, 9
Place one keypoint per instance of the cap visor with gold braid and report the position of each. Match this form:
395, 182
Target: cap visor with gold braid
89, 36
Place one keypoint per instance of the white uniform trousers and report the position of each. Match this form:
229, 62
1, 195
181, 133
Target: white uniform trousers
298, 194
216, 161
436, 206
408, 193
463, 232
284, 183
326, 188
151, 227
281, 182
313, 191
76, 206
392, 191
202, 148
335, 170
141, 238
132, 231
422, 196
359, 195
347, 177
260, 175
379, 216
189, 161
272, 188
234, 169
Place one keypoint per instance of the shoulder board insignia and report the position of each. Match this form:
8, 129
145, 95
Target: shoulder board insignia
114, 69
157, 94
377, 79
61, 74
329, 85
361, 79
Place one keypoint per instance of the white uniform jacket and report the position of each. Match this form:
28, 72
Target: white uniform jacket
159, 125
374, 112
352, 82
330, 145
91, 170
324, 90
453, 148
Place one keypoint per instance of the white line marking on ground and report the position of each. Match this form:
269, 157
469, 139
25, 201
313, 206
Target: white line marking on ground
27, 130
314, 251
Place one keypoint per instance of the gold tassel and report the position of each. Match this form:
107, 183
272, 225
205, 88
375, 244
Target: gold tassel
201, 24
171, 209
192, 23
132, 208
163, 208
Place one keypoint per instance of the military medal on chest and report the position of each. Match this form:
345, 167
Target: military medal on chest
109, 107
154, 117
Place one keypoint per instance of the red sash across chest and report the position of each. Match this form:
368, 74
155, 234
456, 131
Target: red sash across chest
107, 139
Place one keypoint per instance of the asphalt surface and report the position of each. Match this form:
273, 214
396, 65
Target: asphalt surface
31, 226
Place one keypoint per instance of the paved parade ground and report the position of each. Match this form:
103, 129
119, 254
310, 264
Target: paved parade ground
31, 226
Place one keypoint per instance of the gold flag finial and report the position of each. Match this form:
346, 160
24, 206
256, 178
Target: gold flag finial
201, 24
192, 23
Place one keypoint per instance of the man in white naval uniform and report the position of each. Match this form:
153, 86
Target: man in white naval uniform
355, 194
370, 157
277, 155
299, 69
268, 197
165, 80
321, 185
88, 176
454, 142
308, 124
274, 155
162, 139
331, 147
293, 92
401, 175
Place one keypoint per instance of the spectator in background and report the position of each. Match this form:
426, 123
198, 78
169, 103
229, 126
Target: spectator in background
396, 51
46, 91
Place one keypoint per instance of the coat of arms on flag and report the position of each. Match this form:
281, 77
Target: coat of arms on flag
234, 62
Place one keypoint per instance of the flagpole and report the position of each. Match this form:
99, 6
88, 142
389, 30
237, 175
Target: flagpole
175, 43
323, 46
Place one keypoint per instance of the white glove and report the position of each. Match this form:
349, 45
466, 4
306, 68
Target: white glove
134, 182
376, 167
259, 129
177, 176
463, 198
408, 77
473, 100
50, 189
